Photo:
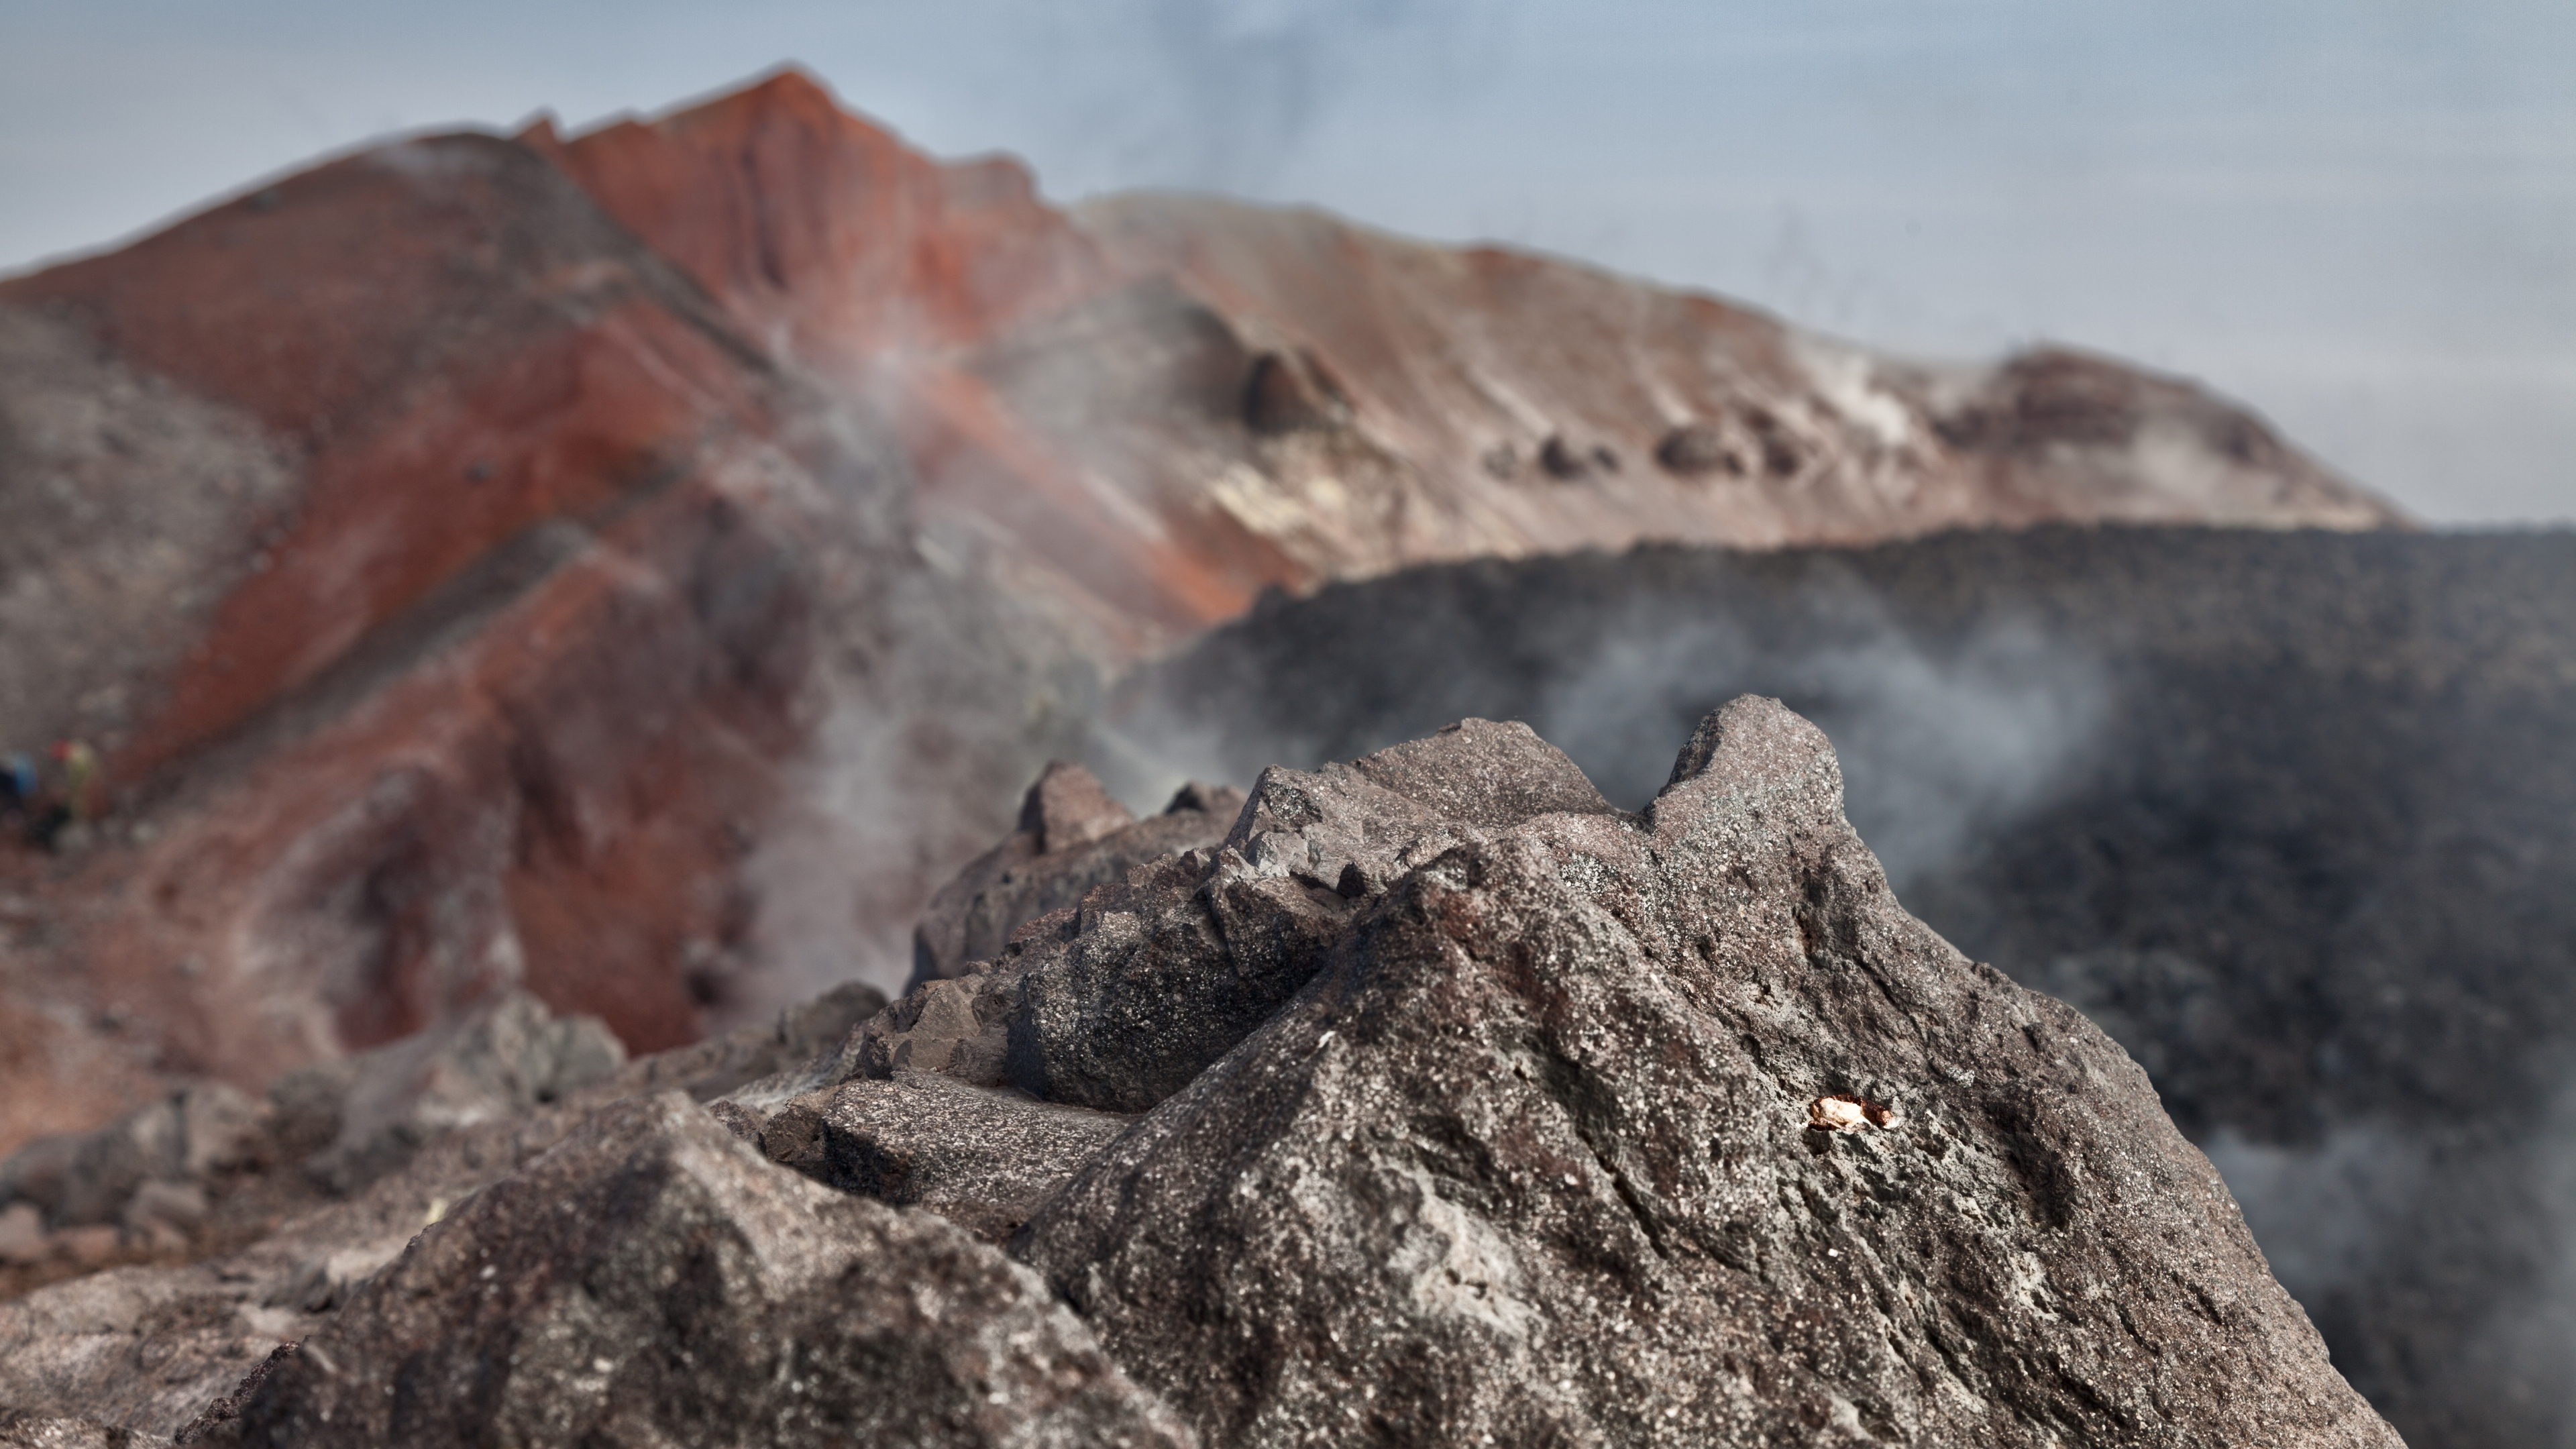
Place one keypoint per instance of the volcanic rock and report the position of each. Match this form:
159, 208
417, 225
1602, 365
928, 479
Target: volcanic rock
1531, 1158
1511, 1130
1480, 1107
209, 1169
1119, 1004
1696, 448
1285, 395
358, 1117
1562, 460
1459, 364
1292, 398
19, 1430
984, 1159
95, 1179
1072, 837
653, 1281
511, 617
147, 1347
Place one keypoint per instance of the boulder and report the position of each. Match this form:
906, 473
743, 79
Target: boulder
2290, 815
653, 1281
1121, 1002
1665, 1129
142, 1350
980, 1157
509, 1055
146, 1347
1072, 837
93, 1179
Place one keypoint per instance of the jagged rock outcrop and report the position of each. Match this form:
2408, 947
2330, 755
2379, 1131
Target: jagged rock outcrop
1072, 837
208, 1168
981, 1157
148, 1347
541, 619
1480, 1107
654, 1281
1119, 1004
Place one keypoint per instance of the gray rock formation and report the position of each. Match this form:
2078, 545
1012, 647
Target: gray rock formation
146, 1172
1121, 1003
47, 1431
1536, 1158
154, 1179
981, 1158
494, 1062
652, 1281
1072, 837
146, 1347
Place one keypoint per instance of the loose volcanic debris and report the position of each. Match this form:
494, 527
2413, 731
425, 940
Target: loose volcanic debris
1474, 1109
651, 1281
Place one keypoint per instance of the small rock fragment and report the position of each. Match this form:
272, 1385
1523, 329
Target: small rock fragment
1844, 1113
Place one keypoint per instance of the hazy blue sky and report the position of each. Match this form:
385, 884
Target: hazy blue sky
2359, 215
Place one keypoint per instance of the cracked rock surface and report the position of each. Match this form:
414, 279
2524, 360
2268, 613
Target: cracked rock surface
652, 1281
1072, 837
1481, 1108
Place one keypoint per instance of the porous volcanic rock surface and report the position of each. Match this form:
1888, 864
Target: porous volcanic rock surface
1530, 1156
2291, 815
653, 1281
283, 1233
1479, 1106
1574, 1125
1072, 837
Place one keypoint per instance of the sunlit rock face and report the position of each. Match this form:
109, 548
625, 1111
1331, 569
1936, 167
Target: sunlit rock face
1477, 1106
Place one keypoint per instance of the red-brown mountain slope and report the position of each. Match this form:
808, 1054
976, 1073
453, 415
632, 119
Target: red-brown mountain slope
504, 652
1252, 396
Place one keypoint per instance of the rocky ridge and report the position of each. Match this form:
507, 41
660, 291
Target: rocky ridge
284, 1221
542, 628
1148, 408
1471, 1105
1072, 836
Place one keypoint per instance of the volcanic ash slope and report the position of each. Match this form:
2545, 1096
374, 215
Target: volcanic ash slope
1472, 1110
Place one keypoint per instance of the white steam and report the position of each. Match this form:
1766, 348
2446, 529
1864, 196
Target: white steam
1938, 747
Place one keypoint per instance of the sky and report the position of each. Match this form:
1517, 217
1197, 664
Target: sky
2359, 216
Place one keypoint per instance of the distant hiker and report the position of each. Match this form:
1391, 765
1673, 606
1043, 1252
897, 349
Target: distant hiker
80, 779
